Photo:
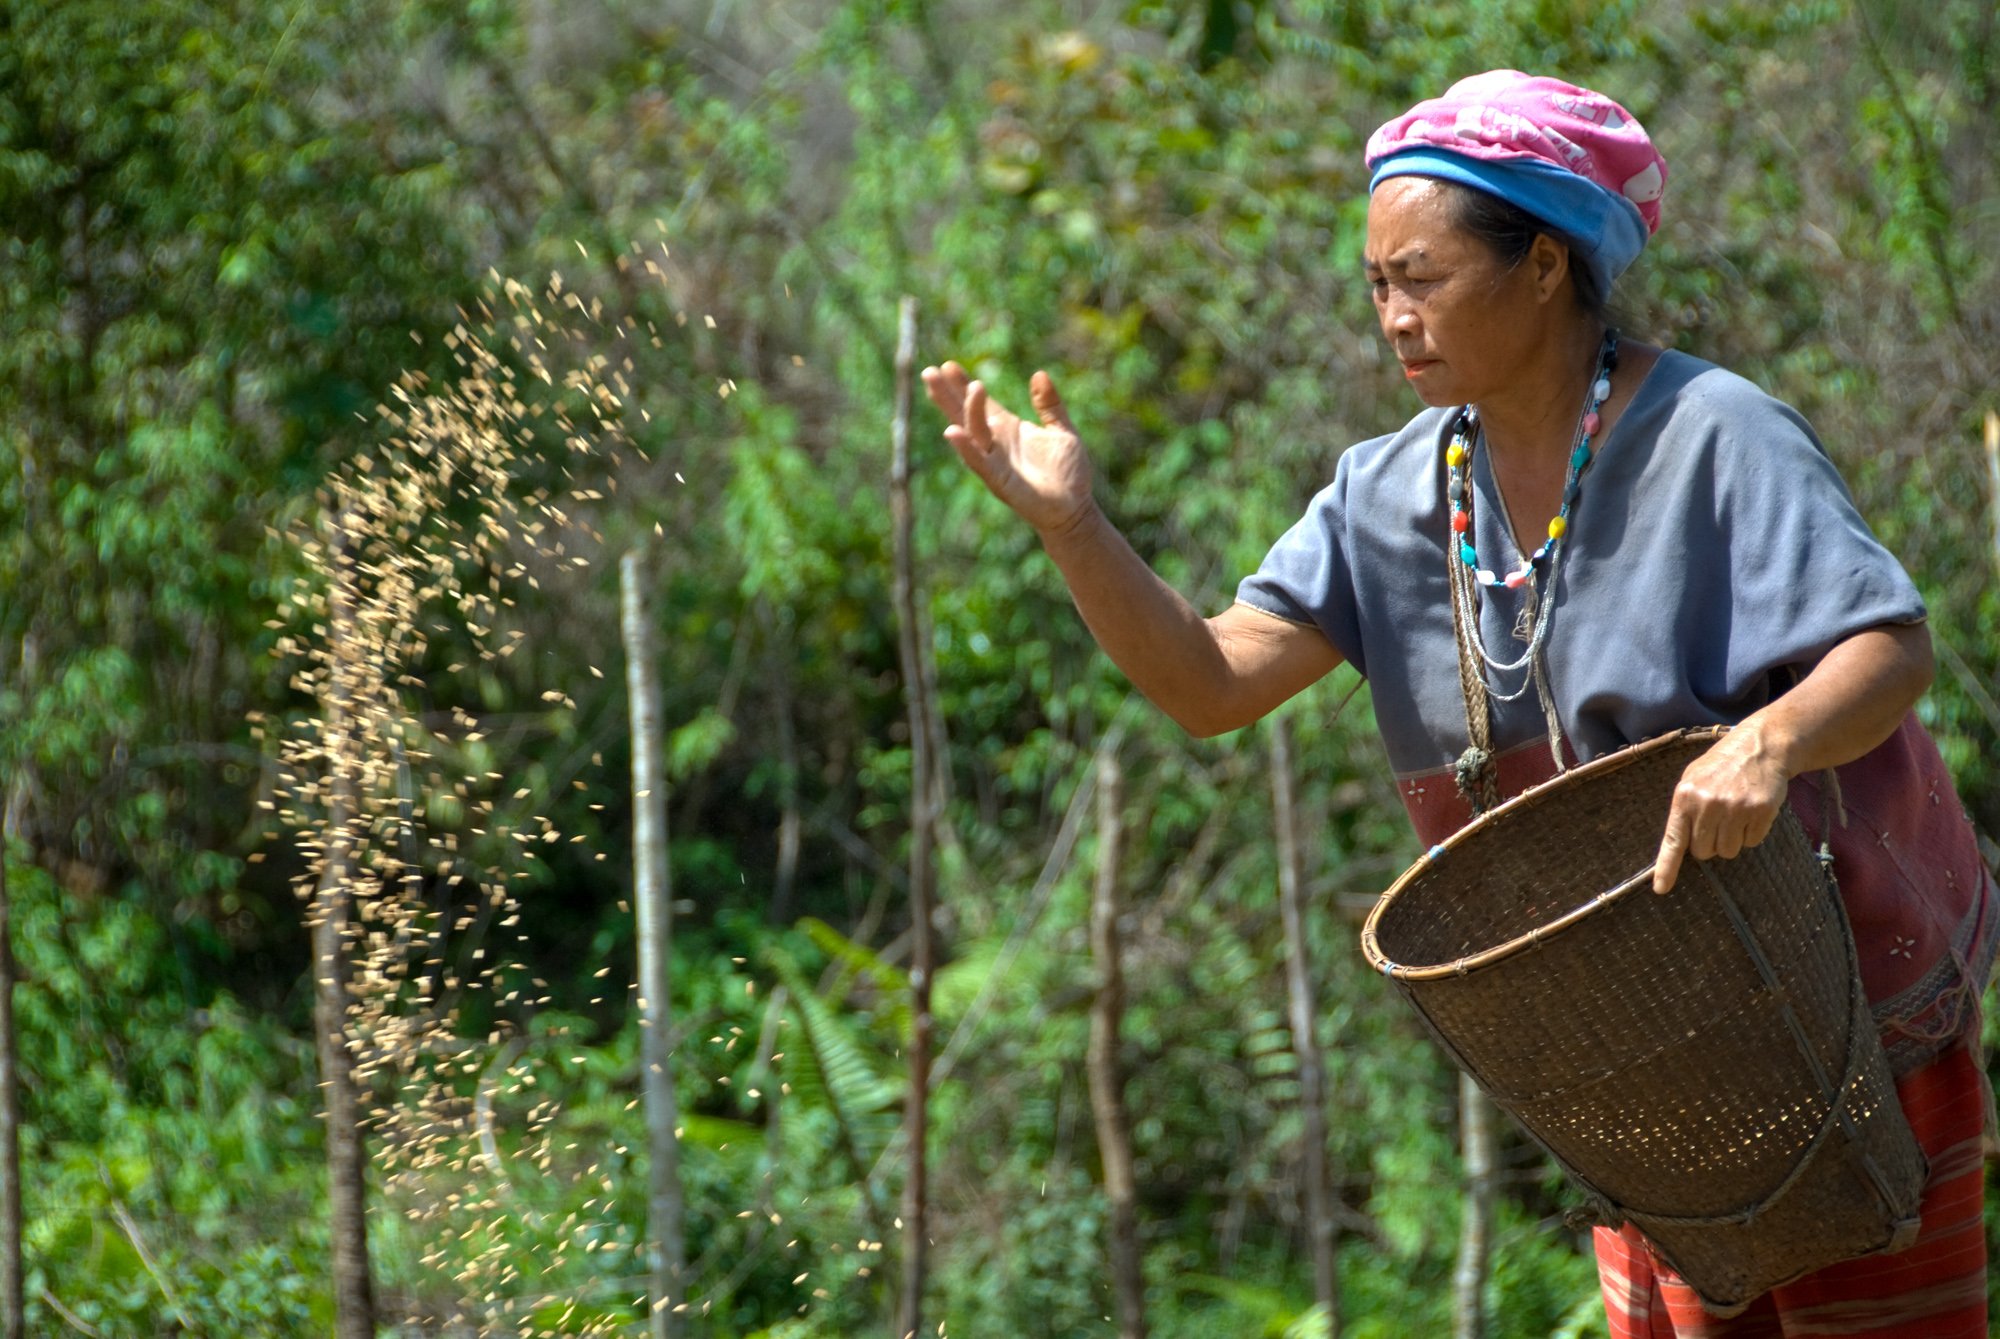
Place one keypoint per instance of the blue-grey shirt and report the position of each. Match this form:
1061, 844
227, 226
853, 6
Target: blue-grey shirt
1713, 546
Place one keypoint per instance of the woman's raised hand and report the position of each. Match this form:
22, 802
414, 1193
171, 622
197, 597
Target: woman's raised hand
1038, 469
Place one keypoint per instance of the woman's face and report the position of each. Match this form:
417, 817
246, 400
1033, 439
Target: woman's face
1458, 320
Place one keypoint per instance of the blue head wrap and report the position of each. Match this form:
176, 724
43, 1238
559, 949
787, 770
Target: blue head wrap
1606, 230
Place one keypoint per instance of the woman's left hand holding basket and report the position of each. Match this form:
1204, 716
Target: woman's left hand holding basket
1729, 798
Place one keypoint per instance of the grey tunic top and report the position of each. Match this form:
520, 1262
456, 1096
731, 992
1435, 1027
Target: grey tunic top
1712, 546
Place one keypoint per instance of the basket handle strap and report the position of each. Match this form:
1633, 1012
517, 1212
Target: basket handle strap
1477, 771
1831, 807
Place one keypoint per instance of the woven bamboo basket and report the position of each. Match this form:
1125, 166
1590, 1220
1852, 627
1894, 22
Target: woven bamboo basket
1704, 1064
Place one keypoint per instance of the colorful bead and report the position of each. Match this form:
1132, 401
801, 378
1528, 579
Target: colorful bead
1458, 455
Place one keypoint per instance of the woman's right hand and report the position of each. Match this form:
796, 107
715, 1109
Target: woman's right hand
1210, 675
1038, 469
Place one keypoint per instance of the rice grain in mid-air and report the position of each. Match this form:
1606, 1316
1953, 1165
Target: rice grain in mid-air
428, 546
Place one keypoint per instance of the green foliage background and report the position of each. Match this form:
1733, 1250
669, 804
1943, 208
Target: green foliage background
226, 229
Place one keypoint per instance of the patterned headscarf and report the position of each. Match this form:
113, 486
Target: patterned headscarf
1572, 158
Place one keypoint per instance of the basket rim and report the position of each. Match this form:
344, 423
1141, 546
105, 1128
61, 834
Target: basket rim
1596, 767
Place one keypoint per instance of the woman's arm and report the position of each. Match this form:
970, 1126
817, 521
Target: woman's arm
1852, 700
1210, 674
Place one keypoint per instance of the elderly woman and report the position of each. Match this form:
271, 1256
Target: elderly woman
1617, 541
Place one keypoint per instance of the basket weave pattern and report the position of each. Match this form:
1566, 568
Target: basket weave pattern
1681, 1056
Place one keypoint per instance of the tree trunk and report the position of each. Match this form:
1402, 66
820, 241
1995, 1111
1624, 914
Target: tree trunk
346, 1152
1107, 1079
653, 895
1305, 1032
923, 830
1475, 1238
11, 1296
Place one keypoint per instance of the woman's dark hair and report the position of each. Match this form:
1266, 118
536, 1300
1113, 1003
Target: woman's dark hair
1509, 231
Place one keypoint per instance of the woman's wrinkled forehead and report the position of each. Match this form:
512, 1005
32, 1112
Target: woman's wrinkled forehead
1412, 217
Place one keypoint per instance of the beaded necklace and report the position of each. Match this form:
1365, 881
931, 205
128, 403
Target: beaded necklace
1477, 769
1458, 456
1476, 777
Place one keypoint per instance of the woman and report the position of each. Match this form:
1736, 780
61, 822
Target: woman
1622, 541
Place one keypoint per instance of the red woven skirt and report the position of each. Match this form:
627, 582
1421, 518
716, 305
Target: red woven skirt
1934, 1290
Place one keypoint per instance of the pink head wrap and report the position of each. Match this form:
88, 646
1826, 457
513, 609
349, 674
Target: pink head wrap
1504, 114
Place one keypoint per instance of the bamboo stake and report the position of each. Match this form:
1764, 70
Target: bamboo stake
1475, 1238
1305, 1039
923, 828
13, 1323
1993, 477
346, 1152
652, 880
1107, 1079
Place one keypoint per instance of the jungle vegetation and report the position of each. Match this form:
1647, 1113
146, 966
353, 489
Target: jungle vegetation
246, 244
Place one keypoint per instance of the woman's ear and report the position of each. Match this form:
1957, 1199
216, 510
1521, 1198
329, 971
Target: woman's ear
1548, 262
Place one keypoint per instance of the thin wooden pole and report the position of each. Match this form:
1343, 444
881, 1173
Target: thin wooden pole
1305, 1031
13, 1323
652, 879
1107, 1078
346, 1152
923, 832
1993, 478
1475, 1238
